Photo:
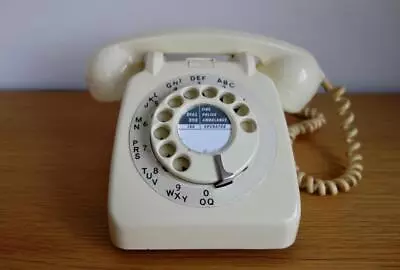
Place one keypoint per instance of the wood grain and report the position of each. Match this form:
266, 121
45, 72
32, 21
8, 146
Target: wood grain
55, 149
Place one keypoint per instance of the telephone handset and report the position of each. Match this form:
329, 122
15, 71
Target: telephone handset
202, 157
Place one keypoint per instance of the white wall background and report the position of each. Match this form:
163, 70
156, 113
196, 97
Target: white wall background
46, 43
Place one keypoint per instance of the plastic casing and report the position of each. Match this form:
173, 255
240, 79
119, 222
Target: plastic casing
287, 77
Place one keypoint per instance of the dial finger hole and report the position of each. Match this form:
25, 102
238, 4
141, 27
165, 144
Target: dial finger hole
165, 115
181, 163
241, 110
175, 102
227, 98
249, 125
210, 92
167, 150
192, 93
162, 132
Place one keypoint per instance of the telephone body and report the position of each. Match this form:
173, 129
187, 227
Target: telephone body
202, 157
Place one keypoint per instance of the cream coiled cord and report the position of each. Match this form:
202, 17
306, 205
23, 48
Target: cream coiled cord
315, 120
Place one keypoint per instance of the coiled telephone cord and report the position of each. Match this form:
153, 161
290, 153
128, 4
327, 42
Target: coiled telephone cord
316, 120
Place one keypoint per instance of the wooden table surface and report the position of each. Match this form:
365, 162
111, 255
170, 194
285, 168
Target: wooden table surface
55, 149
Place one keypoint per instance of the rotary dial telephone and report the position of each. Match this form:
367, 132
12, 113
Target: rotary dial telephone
202, 157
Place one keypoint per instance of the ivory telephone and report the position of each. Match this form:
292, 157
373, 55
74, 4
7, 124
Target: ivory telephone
202, 157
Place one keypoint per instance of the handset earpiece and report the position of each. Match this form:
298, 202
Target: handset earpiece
297, 78
109, 72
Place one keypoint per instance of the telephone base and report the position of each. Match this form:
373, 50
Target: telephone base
194, 237
162, 192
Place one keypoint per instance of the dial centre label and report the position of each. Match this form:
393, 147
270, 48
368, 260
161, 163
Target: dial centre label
205, 129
